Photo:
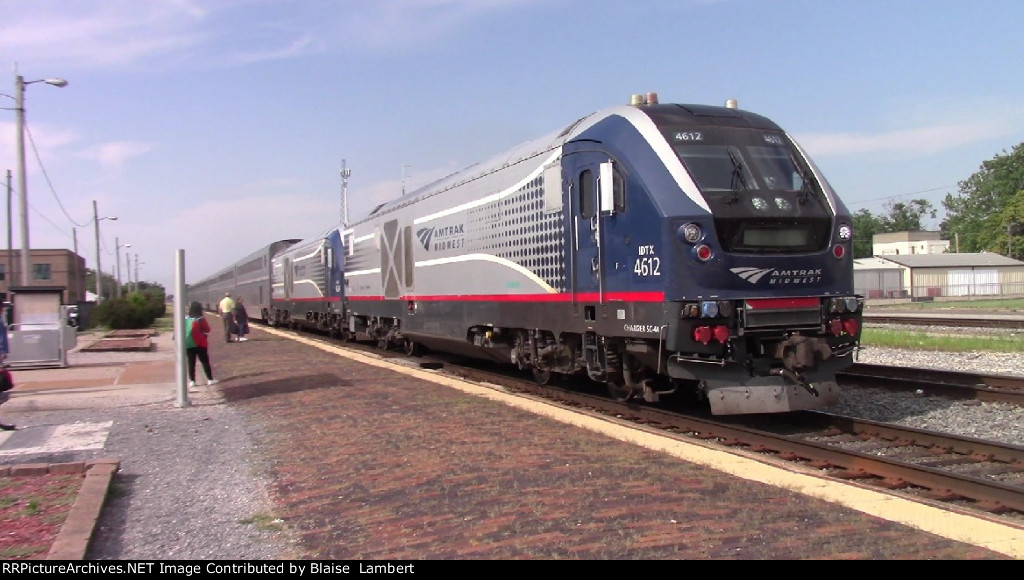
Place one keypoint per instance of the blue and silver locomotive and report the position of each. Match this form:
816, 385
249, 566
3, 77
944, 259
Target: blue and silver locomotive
654, 248
651, 247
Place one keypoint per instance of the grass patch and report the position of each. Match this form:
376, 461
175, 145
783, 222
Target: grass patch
21, 552
164, 323
264, 522
995, 304
32, 508
916, 340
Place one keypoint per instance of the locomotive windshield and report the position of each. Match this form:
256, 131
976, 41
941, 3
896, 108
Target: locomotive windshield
762, 193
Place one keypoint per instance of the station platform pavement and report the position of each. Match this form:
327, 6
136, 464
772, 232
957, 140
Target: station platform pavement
114, 375
100, 373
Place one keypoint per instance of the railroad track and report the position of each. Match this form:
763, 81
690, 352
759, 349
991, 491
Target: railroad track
938, 319
953, 384
959, 472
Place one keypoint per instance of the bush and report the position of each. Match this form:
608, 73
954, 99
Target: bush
137, 310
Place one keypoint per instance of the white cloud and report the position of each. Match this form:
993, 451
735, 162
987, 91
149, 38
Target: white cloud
114, 155
916, 141
110, 32
103, 33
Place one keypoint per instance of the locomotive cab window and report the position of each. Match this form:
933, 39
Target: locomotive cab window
763, 193
717, 168
618, 192
588, 194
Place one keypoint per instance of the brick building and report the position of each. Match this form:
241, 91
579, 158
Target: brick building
50, 268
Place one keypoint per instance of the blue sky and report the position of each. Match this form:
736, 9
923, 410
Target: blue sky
217, 126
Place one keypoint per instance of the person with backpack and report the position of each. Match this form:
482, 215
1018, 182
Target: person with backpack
196, 344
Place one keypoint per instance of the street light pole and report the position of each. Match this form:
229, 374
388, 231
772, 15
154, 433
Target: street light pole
99, 271
19, 99
118, 246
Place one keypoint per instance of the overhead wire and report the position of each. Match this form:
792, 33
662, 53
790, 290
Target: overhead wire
56, 197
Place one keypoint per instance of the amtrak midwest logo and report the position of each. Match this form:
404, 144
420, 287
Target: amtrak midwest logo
442, 238
792, 277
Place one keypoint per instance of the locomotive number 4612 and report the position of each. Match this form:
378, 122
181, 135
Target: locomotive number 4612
647, 266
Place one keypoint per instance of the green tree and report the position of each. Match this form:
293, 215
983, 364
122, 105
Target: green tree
865, 226
906, 217
988, 212
108, 284
902, 217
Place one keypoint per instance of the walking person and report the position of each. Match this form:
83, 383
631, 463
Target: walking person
197, 345
6, 383
241, 319
227, 315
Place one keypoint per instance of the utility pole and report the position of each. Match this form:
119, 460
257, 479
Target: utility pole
19, 99
1010, 229
10, 239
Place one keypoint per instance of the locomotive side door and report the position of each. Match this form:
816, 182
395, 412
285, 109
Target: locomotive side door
581, 171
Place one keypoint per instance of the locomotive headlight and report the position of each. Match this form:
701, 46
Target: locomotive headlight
845, 232
691, 233
783, 204
690, 310
759, 203
852, 304
725, 308
837, 305
708, 309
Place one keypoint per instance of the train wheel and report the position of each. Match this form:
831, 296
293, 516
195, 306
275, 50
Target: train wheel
620, 393
411, 348
542, 376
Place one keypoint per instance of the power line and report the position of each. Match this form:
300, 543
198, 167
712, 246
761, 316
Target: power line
42, 167
899, 195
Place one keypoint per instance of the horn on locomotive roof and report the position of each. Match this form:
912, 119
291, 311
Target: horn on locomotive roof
641, 99
730, 103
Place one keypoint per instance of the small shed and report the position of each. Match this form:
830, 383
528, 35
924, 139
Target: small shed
953, 275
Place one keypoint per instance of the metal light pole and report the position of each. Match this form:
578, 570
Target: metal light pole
128, 270
345, 173
19, 99
99, 271
118, 245
137, 264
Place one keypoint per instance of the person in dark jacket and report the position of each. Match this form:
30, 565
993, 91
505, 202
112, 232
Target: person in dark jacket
241, 320
4, 349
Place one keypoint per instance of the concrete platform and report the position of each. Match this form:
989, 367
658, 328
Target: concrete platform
103, 371
120, 373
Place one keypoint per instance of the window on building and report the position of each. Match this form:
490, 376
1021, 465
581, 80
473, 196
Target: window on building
41, 272
3, 271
